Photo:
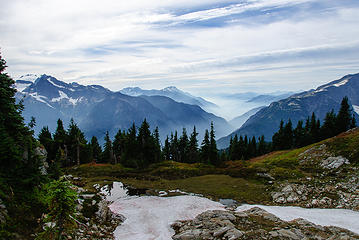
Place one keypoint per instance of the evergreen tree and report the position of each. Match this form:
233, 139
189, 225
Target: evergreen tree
193, 154
19, 165
299, 135
252, 148
277, 138
183, 146
61, 202
77, 144
118, 145
344, 117
130, 149
245, 148
329, 125
205, 148
261, 146
157, 145
46, 140
96, 150
213, 151
241, 149
148, 147
107, 154
174, 147
60, 138
287, 137
167, 149
307, 137
17, 144
234, 151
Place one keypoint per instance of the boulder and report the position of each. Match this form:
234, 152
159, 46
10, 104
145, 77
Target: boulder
334, 162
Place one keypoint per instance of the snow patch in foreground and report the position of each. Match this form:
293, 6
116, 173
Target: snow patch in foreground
343, 218
150, 217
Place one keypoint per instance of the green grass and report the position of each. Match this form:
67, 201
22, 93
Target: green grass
213, 186
94, 170
346, 144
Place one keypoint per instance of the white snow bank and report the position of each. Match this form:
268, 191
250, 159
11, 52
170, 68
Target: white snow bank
150, 217
326, 217
341, 83
28, 77
64, 96
56, 85
21, 86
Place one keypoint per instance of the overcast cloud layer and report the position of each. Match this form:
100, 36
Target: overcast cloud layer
204, 47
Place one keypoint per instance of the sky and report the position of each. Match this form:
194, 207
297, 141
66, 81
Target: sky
204, 47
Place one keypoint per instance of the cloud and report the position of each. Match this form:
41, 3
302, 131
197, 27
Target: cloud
200, 46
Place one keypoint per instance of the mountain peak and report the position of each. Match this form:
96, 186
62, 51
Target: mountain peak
28, 77
171, 89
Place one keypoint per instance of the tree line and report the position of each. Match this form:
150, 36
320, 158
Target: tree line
312, 131
139, 147
134, 148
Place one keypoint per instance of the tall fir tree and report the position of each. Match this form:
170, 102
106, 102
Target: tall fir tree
77, 144
329, 125
344, 117
130, 148
193, 155
157, 145
167, 149
45, 138
287, 137
96, 150
107, 154
299, 135
205, 148
213, 151
183, 146
145, 142
19, 164
118, 145
60, 139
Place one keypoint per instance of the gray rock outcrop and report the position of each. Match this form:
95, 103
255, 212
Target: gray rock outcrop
254, 223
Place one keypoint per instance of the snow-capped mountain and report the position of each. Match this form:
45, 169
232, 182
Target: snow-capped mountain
171, 92
299, 107
97, 109
25, 81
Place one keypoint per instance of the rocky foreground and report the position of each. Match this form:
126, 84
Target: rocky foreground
254, 223
335, 186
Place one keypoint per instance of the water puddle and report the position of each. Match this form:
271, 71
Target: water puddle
117, 190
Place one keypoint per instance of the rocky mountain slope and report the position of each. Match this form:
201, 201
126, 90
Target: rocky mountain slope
238, 121
97, 109
299, 107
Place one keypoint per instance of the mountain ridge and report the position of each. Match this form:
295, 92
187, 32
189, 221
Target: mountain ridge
171, 92
298, 107
97, 109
